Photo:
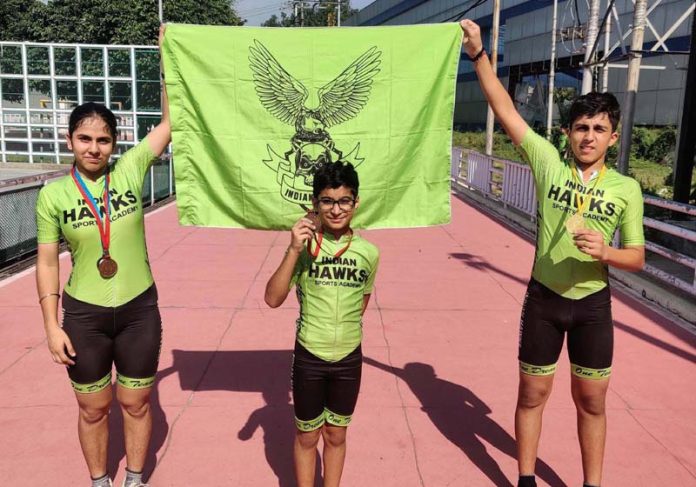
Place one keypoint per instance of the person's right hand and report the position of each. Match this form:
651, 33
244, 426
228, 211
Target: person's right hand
58, 345
472, 37
302, 231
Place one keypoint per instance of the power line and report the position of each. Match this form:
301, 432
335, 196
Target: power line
461, 15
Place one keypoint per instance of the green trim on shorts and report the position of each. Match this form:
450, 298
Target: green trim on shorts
538, 370
97, 386
311, 425
130, 383
587, 373
337, 419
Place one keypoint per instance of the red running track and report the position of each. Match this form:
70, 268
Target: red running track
439, 381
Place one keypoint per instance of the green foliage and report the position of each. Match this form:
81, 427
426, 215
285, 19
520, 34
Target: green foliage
321, 15
17, 18
663, 147
502, 147
105, 21
563, 97
656, 145
641, 139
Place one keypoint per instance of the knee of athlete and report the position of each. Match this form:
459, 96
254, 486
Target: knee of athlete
94, 414
308, 439
335, 436
593, 403
533, 396
136, 409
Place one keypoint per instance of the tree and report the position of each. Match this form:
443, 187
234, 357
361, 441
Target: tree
16, 18
316, 15
105, 21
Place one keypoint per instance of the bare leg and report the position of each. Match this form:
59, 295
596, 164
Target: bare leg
532, 395
93, 429
137, 424
334, 454
305, 450
590, 400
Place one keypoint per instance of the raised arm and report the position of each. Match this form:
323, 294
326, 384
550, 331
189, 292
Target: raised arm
496, 94
160, 136
278, 285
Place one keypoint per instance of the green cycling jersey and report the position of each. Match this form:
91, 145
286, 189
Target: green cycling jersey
616, 202
330, 291
61, 209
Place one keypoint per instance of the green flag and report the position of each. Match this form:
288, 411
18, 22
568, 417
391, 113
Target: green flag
255, 111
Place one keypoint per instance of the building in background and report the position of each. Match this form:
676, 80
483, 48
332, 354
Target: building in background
525, 52
40, 84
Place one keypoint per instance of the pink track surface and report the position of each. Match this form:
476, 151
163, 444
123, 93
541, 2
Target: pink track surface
439, 380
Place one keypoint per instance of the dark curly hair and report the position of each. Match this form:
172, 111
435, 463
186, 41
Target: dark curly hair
334, 175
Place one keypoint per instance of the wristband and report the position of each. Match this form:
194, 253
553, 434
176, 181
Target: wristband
478, 56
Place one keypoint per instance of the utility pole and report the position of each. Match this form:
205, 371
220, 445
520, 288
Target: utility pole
160, 11
590, 39
607, 44
490, 118
629, 104
552, 71
686, 148
339, 13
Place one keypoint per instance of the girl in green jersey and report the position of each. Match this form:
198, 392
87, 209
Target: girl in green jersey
110, 313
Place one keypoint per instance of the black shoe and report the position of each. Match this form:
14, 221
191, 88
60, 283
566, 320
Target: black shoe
527, 481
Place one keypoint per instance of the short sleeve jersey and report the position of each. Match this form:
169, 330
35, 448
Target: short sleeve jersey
330, 291
61, 209
616, 202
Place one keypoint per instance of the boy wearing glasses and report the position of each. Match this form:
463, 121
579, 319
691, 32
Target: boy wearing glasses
334, 272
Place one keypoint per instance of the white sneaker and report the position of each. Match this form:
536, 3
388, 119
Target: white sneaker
135, 484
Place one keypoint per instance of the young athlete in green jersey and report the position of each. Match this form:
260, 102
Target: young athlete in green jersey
334, 271
581, 204
110, 313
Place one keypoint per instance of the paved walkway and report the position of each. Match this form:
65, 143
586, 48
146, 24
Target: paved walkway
439, 382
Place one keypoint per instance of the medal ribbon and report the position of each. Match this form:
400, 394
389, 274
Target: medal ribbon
104, 225
320, 239
586, 201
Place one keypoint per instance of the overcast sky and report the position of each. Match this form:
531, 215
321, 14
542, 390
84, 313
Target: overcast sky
258, 11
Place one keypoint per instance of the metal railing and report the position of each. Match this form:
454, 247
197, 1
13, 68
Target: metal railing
18, 204
511, 184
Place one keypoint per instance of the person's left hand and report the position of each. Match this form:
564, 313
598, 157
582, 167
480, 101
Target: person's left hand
591, 242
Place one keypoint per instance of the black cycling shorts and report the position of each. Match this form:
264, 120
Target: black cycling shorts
128, 336
547, 316
324, 392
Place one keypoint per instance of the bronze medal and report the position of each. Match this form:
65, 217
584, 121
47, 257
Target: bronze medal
107, 267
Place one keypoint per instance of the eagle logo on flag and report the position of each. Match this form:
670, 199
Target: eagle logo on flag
311, 146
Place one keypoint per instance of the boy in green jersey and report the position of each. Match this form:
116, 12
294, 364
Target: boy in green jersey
581, 204
334, 271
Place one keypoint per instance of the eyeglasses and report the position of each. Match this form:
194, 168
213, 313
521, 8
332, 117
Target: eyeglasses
345, 204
